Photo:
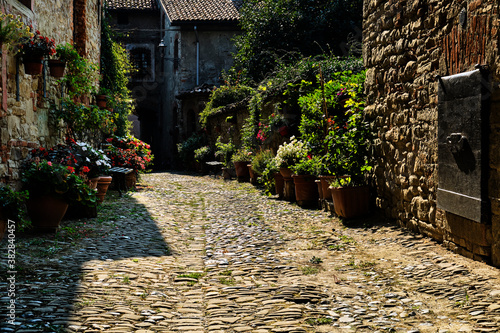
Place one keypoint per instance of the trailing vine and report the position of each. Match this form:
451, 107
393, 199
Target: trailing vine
116, 68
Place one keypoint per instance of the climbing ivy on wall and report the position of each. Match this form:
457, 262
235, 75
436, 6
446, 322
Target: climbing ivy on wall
116, 68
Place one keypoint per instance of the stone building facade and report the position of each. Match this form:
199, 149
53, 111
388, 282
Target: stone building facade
198, 46
24, 122
411, 51
139, 24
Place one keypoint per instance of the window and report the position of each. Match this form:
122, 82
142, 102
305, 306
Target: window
27, 3
142, 59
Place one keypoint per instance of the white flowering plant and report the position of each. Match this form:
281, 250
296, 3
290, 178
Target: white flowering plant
291, 153
79, 157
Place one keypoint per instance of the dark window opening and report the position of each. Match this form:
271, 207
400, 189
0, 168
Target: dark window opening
122, 19
141, 60
27, 3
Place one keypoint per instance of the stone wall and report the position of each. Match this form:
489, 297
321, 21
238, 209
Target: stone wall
25, 123
405, 45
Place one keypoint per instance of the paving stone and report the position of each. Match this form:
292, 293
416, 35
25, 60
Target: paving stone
249, 251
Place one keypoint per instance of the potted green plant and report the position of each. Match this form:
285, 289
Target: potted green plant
52, 187
12, 208
289, 154
57, 63
201, 156
241, 158
272, 179
348, 142
304, 179
225, 152
259, 164
81, 75
34, 49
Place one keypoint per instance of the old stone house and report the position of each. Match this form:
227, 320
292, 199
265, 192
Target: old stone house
139, 24
437, 118
181, 48
26, 99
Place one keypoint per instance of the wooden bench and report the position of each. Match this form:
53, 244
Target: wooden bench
119, 174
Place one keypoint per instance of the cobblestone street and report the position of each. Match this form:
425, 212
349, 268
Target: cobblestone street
197, 254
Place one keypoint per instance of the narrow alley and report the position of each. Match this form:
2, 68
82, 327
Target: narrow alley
197, 254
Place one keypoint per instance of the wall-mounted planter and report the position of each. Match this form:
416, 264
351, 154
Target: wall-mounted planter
33, 65
56, 68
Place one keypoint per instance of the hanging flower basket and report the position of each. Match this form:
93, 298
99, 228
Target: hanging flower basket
33, 65
56, 68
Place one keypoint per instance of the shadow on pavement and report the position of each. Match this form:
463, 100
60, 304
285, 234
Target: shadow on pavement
49, 266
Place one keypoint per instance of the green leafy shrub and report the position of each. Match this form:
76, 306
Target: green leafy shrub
85, 123
225, 151
224, 96
12, 204
81, 76
116, 70
309, 165
187, 148
242, 155
261, 161
203, 154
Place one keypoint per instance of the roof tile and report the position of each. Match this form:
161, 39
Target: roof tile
180, 11
133, 4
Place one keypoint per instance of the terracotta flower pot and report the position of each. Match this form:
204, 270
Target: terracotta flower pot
352, 201
46, 211
33, 65
320, 188
253, 174
286, 172
279, 184
101, 101
325, 185
56, 68
93, 182
242, 172
102, 187
306, 190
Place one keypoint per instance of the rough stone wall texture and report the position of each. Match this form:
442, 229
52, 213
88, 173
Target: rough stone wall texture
405, 45
26, 123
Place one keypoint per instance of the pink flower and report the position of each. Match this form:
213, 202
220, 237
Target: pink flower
49, 163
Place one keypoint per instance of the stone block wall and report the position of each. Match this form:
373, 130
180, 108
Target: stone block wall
25, 123
405, 45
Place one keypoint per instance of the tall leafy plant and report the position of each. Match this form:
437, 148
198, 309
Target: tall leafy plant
81, 75
116, 68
